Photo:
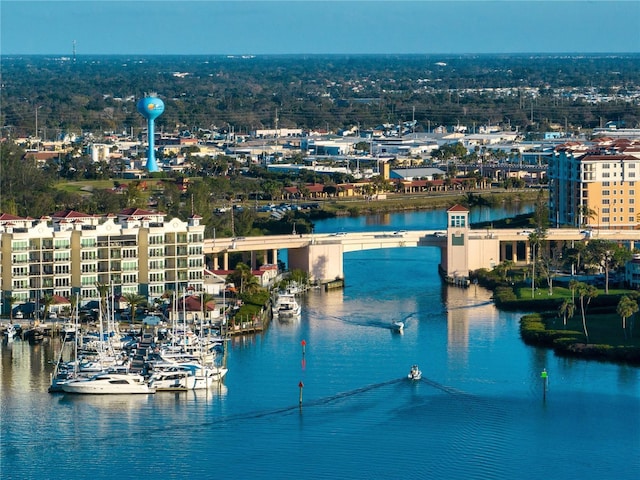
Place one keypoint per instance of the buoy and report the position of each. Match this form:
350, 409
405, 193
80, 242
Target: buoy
545, 380
304, 344
301, 386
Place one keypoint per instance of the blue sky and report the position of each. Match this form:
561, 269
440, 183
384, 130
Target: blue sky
317, 27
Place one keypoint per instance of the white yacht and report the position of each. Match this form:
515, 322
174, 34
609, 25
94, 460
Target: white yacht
185, 377
109, 384
286, 306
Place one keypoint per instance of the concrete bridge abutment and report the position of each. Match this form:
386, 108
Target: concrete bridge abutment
324, 262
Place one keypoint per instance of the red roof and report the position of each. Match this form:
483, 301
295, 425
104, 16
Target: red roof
458, 208
70, 214
137, 212
7, 217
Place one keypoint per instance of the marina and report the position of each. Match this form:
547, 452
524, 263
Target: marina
333, 386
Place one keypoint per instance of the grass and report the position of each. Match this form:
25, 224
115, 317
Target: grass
603, 328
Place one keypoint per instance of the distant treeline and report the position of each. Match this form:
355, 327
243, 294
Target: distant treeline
531, 92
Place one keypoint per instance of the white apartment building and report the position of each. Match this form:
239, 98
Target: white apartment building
134, 251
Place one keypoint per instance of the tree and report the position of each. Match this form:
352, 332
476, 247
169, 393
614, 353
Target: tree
566, 310
585, 294
47, 301
626, 307
134, 299
10, 300
103, 292
608, 255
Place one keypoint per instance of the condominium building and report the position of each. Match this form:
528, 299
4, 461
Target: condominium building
69, 253
595, 188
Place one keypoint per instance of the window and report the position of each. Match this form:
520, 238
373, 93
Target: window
61, 243
605, 184
606, 192
88, 242
605, 201
605, 175
156, 239
128, 266
606, 165
89, 255
61, 256
458, 221
18, 245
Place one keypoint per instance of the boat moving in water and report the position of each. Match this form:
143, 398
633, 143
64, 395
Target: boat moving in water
398, 326
414, 373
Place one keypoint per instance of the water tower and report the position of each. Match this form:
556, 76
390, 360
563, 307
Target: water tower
151, 107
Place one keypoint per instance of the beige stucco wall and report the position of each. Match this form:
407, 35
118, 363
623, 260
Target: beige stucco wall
483, 253
323, 262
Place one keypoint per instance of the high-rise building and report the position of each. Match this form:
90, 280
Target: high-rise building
595, 187
69, 253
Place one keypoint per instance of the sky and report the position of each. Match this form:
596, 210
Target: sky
258, 27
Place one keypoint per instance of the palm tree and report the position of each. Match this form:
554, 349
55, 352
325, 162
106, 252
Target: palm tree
573, 285
626, 307
11, 300
206, 299
134, 299
47, 301
567, 309
103, 291
587, 292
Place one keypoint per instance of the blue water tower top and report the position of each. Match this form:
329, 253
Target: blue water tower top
151, 107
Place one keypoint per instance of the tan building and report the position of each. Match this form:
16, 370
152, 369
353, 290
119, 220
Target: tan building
594, 189
135, 251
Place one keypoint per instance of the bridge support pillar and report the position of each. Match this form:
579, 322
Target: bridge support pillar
274, 256
225, 261
216, 263
323, 261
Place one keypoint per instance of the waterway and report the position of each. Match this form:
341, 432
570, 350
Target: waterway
479, 412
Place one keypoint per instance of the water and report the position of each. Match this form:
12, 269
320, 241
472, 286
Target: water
477, 413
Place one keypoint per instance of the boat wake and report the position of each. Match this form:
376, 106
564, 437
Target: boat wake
474, 305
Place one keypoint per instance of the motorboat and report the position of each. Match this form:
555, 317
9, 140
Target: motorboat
414, 373
185, 377
109, 384
68, 330
398, 326
13, 331
286, 306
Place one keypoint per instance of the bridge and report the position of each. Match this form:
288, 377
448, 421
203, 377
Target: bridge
462, 249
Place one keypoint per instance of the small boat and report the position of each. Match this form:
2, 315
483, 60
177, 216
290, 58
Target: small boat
398, 326
109, 384
68, 330
414, 373
13, 331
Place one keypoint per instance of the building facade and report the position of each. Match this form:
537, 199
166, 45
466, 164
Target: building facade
596, 189
69, 253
